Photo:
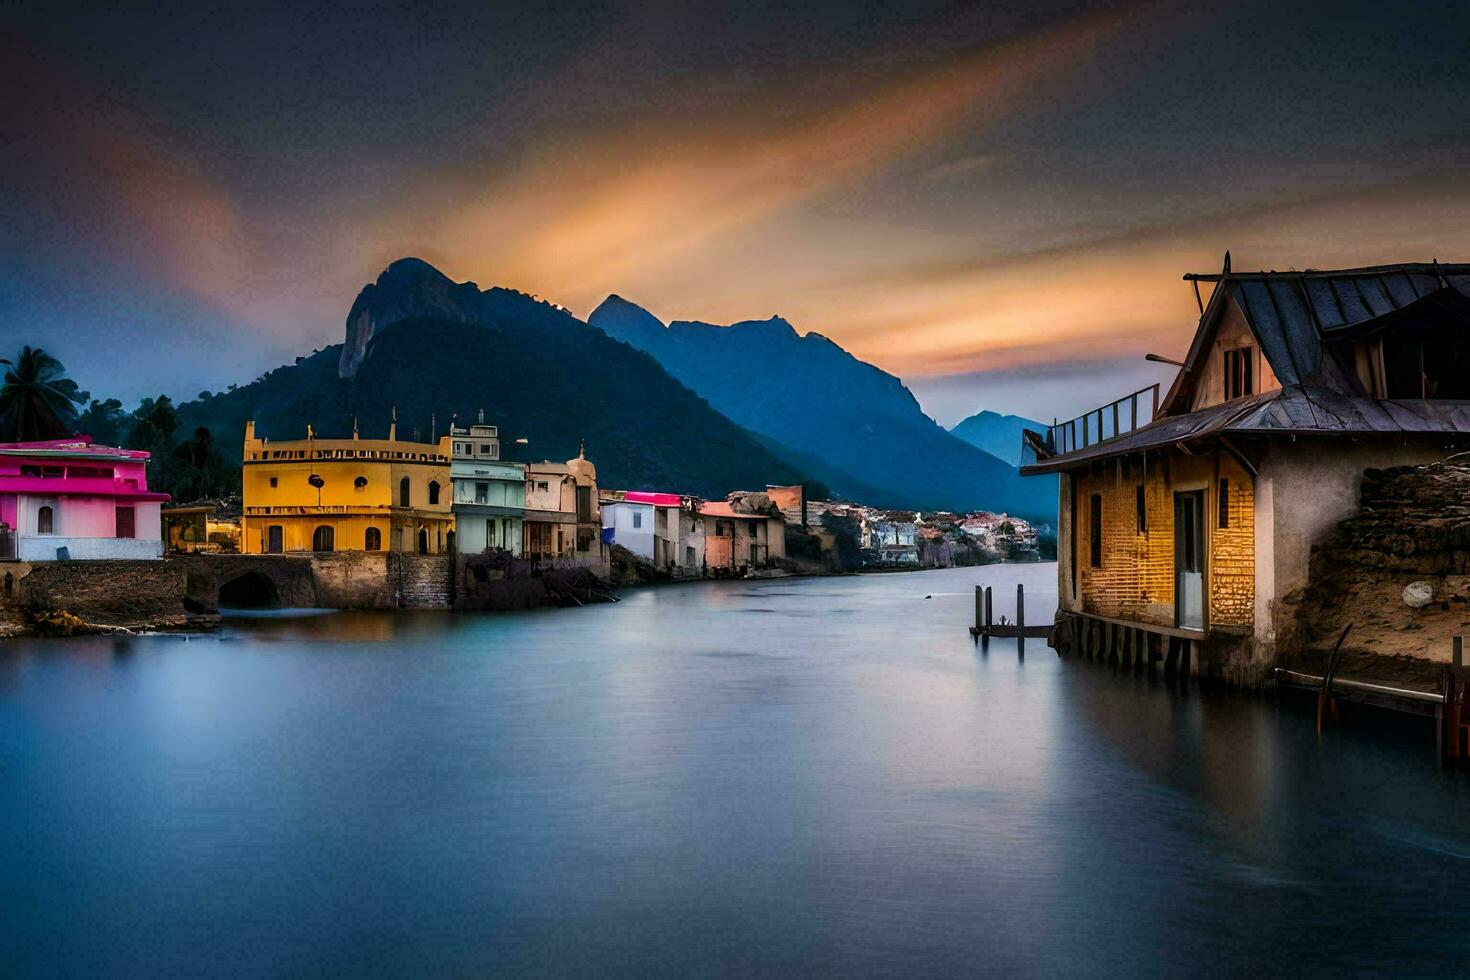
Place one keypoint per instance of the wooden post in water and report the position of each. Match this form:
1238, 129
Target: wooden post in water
989, 609
1020, 619
979, 607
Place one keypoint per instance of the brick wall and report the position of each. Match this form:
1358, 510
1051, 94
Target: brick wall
421, 581
1136, 577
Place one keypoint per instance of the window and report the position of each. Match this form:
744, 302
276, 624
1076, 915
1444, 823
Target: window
404, 497
359, 482
89, 472
1238, 379
487, 449
542, 487
584, 541
1224, 503
433, 491
637, 519
584, 504
322, 538
275, 481
127, 526
1142, 505
372, 540
46, 520
1094, 529
490, 533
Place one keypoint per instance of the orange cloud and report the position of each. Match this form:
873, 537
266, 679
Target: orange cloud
580, 222
1124, 294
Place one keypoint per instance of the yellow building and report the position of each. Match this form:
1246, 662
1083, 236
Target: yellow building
346, 495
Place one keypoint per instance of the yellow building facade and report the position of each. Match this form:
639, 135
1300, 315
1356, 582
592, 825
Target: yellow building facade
351, 494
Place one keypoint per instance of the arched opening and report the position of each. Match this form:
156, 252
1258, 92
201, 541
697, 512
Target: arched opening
46, 520
251, 590
433, 491
373, 540
404, 498
322, 538
423, 541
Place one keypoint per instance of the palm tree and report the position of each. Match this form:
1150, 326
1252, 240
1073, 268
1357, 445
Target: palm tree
37, 399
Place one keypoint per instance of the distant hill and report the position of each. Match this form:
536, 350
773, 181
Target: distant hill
999, 435
434, 348
850, 422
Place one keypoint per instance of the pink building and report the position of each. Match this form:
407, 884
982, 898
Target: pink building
68, 493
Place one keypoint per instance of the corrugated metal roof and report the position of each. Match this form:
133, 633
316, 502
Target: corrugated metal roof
1296, 409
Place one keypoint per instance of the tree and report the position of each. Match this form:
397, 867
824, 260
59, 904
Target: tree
37, 400
154, 422
103, 421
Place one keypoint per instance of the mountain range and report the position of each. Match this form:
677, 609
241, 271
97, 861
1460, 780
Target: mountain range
999, 435
854, 426
691, 407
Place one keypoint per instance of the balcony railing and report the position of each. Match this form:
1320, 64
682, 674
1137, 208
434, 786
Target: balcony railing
1103, 424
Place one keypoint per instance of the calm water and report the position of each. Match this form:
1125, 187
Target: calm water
782, 777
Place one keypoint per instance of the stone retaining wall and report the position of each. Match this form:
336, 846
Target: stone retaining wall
108, 592
1413, 525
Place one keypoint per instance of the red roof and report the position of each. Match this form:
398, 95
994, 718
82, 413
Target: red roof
649, 497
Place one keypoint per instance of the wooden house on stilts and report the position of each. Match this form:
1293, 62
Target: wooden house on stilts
1186, 522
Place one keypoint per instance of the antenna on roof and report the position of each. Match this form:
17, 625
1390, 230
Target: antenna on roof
482, 417
433, 426
1226, 270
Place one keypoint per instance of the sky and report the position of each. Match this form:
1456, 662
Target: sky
995, 202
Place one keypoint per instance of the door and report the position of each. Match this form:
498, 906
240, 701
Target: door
1189, 559
274, 539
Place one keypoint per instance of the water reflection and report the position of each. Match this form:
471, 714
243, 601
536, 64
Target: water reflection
784, 777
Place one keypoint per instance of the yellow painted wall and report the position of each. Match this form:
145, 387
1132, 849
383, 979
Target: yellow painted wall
1136, 579
300, 508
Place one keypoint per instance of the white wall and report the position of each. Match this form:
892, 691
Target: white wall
43, 547
619, 516
87, 526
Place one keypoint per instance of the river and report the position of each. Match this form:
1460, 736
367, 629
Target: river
791, 776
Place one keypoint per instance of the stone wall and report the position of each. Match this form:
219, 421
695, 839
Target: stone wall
352, 580
112, 593
1413, 525
421, 581
206, 574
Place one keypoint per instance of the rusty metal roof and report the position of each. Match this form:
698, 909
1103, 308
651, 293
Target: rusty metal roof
1305, 409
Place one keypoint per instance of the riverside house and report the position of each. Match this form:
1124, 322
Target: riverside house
1192, 517
346, 495
70, 498
489, 494
742, 533
665, 528
563, 517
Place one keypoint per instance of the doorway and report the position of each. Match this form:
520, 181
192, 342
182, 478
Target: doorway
1189, 559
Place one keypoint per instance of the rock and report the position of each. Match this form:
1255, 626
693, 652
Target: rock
1417, 595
